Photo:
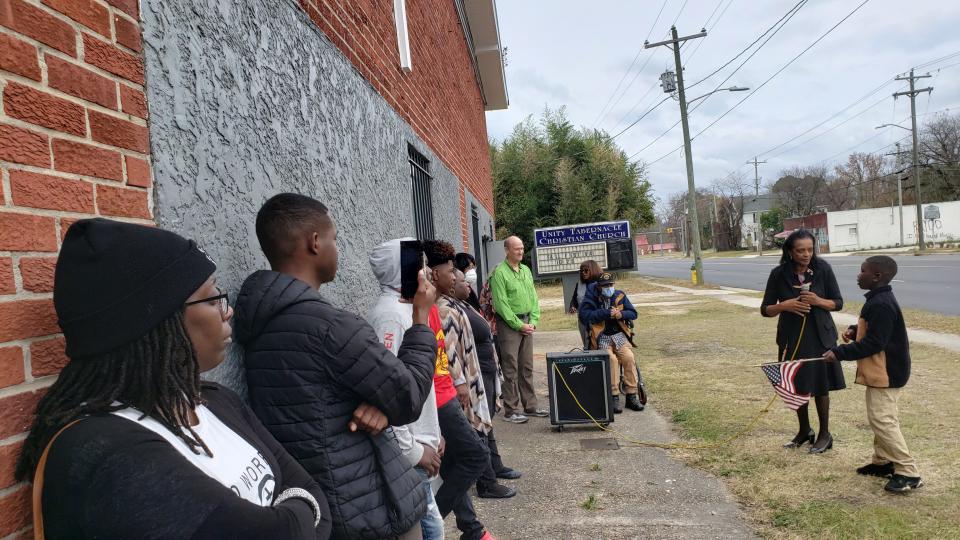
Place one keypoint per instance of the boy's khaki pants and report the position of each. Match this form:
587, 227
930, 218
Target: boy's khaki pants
888, 443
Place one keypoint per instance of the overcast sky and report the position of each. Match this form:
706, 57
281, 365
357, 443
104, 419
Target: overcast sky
573, 53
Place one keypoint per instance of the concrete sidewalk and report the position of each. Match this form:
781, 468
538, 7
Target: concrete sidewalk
639, 492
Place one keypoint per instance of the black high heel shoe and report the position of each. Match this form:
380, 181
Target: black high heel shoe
828, 446
800, 440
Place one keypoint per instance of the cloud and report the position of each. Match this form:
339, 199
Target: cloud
573, 56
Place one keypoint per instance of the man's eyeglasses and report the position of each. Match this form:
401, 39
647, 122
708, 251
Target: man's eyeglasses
221, 299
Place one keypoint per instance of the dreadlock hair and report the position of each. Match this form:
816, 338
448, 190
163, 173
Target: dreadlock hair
157, 374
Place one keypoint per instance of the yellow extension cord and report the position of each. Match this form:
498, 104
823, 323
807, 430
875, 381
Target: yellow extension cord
686, 446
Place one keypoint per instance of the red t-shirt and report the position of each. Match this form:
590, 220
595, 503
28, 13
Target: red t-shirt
442, 383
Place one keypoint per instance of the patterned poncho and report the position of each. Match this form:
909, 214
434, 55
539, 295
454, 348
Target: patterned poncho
462, 355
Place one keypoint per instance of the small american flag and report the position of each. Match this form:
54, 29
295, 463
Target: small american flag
782, 375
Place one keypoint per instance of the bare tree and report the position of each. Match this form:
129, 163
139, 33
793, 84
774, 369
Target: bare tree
861, 183
731, 191
940, 148
800, 190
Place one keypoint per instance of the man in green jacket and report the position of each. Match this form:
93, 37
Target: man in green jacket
518, 312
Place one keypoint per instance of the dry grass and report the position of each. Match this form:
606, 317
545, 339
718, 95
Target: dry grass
697, 367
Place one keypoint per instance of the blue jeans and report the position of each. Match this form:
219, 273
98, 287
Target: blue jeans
432, 523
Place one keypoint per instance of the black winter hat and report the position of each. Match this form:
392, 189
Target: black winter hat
116, 281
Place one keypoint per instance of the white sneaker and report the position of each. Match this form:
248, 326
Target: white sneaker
516, 418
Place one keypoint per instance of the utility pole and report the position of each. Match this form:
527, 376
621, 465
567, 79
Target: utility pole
675, 41
899, 162
921, 243
715, 223
660, 232
756, 175
683, 235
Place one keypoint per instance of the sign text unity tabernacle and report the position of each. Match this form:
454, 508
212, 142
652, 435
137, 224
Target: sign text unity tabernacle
596, 232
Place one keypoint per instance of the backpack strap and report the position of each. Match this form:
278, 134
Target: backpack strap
38, 485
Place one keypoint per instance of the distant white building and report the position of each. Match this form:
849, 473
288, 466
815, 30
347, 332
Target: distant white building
753, 207
877, 228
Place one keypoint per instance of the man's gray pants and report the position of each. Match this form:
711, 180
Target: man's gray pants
516, 361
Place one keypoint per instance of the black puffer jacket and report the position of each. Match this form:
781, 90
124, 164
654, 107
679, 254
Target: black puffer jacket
309, 365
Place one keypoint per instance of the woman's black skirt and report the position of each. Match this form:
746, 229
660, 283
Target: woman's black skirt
816, 378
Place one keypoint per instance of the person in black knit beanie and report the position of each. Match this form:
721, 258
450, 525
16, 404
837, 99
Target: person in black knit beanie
128, 442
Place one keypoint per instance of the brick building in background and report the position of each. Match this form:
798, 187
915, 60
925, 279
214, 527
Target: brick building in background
73, 143
246, 98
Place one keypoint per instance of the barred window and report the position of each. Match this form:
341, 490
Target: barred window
422, 199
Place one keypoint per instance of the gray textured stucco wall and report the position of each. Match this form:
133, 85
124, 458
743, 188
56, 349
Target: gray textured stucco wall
247, 99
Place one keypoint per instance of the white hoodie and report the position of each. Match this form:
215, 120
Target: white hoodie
390, 319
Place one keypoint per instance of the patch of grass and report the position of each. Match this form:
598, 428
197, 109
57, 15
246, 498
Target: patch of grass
698, 423
592, 502
918, 318
555, 319
595, 467
698, 371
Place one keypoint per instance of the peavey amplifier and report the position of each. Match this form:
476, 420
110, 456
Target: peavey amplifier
587, 373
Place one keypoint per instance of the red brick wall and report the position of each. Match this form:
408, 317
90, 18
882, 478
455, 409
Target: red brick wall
440, 98
73, 143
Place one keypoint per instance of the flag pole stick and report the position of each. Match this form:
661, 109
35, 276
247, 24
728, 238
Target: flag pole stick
790, 361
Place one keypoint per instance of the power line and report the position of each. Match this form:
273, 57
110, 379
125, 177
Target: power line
635, 122
658, 137
778, 25
938, 60
785, 66
707, 26
652, 87
817, 136
677, 18
699, 43
602, 114
637, 104
747, 59
859, 100
861, 143
750, 46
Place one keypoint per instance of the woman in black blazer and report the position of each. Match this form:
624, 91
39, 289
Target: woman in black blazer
803, 287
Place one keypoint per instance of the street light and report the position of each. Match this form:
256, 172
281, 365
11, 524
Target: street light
881, 126
916, 188
691, 186
731, 89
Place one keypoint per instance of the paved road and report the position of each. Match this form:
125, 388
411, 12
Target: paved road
930, 283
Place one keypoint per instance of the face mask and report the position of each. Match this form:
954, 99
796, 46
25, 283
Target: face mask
470, 276
607, 291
